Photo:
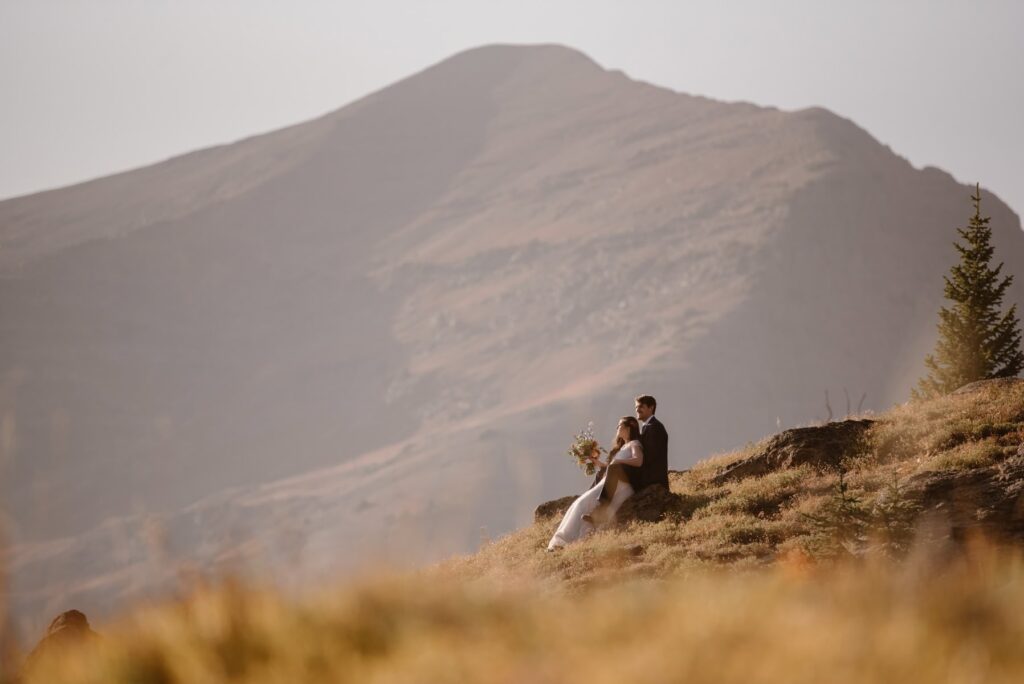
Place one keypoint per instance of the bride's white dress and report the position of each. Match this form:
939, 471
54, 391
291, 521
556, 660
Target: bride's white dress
573, 526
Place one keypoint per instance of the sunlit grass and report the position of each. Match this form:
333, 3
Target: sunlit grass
759, 496
757, 519
968, 455
917, 432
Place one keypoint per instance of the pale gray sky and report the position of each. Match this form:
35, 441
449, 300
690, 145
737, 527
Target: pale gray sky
99, 86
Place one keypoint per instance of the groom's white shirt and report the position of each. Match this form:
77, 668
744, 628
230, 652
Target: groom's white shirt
644, 423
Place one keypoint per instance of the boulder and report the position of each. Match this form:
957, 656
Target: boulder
1001, 384
988, 499
554, 507
821, 446
652, 504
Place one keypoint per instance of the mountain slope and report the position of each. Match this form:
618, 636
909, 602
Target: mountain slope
926, 477
378, 329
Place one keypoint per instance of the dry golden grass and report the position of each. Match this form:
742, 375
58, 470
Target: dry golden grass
702, 472
967, 455
923, 621
730, 594
755, 520
918, 433
759, 496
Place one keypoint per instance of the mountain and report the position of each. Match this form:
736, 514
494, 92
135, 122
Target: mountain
376, 332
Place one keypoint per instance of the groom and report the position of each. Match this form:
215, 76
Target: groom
654, 440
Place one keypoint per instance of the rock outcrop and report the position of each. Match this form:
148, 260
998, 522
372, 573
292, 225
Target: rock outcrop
653, 504
820, 446
999, 384
989, 500
650, 504
555, 507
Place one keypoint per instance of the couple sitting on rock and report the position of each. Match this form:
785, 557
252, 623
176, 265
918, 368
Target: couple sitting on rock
638, 459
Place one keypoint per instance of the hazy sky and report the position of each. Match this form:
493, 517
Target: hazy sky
91, 87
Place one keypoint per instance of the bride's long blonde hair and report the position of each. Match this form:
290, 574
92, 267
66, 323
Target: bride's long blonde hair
634, 433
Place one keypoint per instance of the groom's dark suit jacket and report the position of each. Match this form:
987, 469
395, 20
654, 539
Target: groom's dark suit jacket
654, 440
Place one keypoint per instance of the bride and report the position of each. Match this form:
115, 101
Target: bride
585, 513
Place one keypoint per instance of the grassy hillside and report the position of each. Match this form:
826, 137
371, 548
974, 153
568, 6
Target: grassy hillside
756, 520
728, 588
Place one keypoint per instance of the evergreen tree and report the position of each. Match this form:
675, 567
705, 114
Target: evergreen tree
893, 517
976, 339
839, 527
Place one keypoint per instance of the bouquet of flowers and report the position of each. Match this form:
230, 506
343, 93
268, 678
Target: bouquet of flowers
583, 446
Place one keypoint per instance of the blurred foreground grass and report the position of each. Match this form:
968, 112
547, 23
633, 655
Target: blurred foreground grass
954, 618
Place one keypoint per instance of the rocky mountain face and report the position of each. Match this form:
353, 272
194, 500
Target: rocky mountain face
372, 335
